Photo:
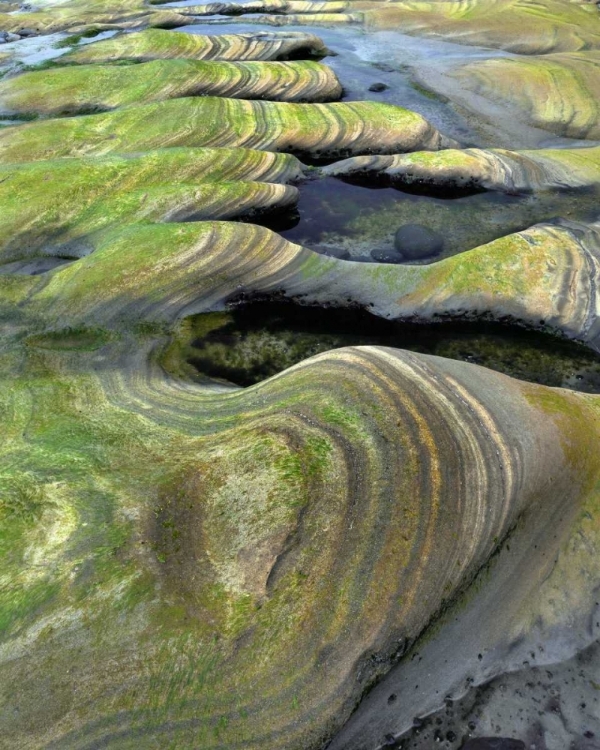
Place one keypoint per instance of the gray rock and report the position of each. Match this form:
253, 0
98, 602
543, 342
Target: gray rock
387, 256
12, 37
493, 743
415, 242
378, 87
384, 67
27, 32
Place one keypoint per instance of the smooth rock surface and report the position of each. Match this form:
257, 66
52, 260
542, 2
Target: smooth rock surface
416, 242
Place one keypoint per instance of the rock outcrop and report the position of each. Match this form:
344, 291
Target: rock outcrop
157, 44
189, 564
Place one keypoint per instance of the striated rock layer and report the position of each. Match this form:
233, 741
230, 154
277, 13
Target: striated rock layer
154, 44
71, 90
490, 169
558, 92
318, 129
330, 512
194, 565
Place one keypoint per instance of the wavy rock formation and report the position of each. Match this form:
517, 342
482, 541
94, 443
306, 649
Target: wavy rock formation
71, 90
323, 130
307, 19
155, 44
547, 275
80, 15
165, 185
558, 92
189, 564
329, 513
491, 169
287, 7
526, 27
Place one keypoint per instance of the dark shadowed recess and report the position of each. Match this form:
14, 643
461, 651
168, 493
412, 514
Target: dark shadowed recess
254, 341
363, 215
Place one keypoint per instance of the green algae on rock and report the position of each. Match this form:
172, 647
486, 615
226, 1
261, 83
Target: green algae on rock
190, 557
544, 276
75, 89
306, 19
323, 130
154, 44
287, 7
80, 15
558, 92
526, 27
489, 169
53, 207
193, 565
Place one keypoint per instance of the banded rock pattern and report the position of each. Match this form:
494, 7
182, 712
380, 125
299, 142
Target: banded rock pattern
203, 566
287, 7
547, 274
80, 15
557, 92
70, 90
153, 44
226, 500
166, 185
525, 27
307, 19
493, 169
318, 129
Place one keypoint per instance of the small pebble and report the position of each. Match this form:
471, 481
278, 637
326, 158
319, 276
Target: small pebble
378, 87
332, 252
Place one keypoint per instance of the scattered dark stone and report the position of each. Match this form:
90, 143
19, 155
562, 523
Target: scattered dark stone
378, 87
332, 252
415, 242
386, 256
493, 743
384, 67
392, 698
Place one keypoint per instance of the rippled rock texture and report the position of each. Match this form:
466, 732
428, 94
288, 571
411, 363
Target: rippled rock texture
328, 554
156, 44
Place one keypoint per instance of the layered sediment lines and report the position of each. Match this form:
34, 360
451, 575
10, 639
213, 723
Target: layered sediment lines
154, 44
526, 27
71, 90
80, 15
215, 567
323, 130
329, 512
490, 169
547, 275
559, 92
307, 19
290, 7
53, 207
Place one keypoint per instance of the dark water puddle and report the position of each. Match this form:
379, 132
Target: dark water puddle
332, 214
252, 342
